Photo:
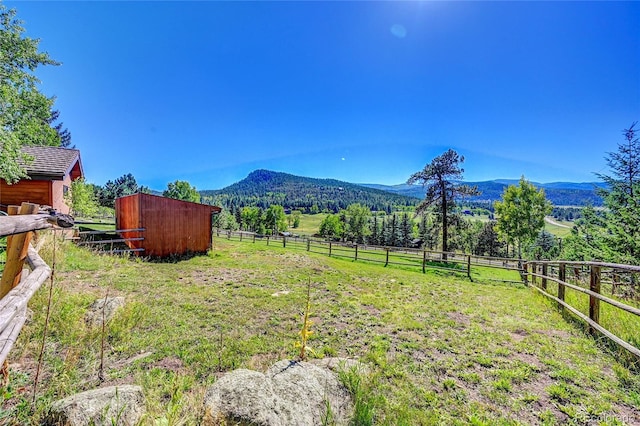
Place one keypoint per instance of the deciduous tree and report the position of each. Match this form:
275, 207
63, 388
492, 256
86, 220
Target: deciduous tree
331, 227
82, 198
182, 190
275, 220
521, 213
25, 113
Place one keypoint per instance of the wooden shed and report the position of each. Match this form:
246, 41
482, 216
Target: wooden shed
50, 175
171, 227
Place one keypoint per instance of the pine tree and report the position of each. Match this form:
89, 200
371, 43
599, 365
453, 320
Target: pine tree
406, 230
441, 190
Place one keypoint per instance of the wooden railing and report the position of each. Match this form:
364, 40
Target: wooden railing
592, 279
17, 287
111, 242
401, 256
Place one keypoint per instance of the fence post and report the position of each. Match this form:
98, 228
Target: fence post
469, 266
424, 261
356, 256
525, 269
329, 248
284, 241
544, 276
386, 262
308, 244
17, 246
240, 236
562, 275
229, 234
594, 303
267, 240
534, 270
254, 237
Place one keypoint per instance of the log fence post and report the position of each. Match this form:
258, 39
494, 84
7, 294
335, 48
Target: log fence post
329, 248
386, 262
594, 302
16, 254
562, 276
469, 266
534, 271
544, 276
424, 261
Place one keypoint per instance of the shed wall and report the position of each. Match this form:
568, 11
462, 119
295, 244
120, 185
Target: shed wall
32, 191
172, 227
128, 217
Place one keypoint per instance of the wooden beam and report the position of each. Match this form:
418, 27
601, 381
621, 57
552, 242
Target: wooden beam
17, 249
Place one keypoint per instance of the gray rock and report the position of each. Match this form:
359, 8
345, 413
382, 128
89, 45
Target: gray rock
289, 393
103, 306
114, 405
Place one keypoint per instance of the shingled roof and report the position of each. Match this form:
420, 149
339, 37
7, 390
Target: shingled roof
52, 163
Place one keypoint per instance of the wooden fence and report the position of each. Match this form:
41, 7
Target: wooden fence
18, 286
110, 242
400, 256
593, 279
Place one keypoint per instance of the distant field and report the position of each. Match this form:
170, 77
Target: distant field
309, 224
441, 349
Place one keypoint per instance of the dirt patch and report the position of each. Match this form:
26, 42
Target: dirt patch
170, 363
519, 335
459, 318
219, 276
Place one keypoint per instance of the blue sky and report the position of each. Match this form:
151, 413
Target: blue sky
357, 91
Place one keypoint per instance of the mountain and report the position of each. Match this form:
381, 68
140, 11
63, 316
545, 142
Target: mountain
559, 193
264, 187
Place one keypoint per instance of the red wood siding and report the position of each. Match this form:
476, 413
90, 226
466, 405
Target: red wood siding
128, 217
172, 227
32, 191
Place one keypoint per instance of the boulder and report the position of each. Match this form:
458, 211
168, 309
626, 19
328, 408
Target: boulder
105, 306
289, 393
114, 405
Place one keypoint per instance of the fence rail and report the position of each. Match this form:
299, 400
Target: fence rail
18, 286
592, 279
110, 241
399, 256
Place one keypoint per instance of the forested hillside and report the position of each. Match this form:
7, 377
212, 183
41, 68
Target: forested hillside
559, 193
263, 188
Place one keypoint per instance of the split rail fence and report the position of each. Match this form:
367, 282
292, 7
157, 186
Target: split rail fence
17, 286
418, 259
588, 282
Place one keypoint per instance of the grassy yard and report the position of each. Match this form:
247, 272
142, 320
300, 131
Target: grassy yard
441, 350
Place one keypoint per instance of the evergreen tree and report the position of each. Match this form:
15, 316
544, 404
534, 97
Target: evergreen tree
375, 231
622, 199
124, 185
406, 230
545, 247
489, 243
441, 189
